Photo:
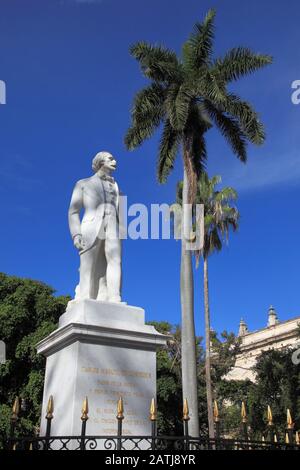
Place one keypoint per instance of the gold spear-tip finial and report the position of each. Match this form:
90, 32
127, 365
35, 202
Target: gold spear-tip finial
270, 416
297, 438
120, 409
85, 410
243, 413
216, 412
15, 409
186, 411
289, 420
153, 411
275, 438
287, 439
50, 408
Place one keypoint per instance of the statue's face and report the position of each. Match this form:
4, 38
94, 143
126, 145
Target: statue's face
109, 163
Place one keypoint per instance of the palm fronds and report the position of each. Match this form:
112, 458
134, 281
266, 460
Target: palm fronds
230, 129
168, 149
238, 62
147, 113
197, 50
157, 62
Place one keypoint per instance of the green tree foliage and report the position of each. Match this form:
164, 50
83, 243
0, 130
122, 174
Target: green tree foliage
29, 311
169, 393
277, 384
224, 350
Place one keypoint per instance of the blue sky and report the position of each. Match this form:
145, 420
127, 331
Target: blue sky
70, 83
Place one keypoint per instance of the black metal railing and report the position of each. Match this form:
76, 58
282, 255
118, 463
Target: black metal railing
156, 442
130, 443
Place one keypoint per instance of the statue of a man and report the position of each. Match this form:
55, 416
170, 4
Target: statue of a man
97, 236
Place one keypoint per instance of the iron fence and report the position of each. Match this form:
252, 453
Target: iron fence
153, 442
145, 443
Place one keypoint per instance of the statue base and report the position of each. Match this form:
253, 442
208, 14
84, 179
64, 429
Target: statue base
104, 351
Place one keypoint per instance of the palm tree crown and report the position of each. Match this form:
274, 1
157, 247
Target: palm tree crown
188, 95
219, 213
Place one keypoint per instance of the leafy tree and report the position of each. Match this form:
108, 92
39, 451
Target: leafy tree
187, 96
169, 391
28, 313
231, 395
169, 402
225, 348
278, 385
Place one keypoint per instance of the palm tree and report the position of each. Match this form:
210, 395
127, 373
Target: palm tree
188, 95
219, 217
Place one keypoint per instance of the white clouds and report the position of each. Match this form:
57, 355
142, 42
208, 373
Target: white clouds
264, 171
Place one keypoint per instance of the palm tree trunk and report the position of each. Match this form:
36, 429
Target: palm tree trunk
188, 339
209, 397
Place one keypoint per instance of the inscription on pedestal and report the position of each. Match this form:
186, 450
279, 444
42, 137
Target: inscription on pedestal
110, 391
105, 385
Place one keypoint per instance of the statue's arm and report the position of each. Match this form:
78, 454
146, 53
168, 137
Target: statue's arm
76, 205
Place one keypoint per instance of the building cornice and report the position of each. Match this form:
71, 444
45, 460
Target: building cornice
268, 336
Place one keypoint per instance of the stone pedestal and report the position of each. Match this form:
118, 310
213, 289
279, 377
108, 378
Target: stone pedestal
103, 351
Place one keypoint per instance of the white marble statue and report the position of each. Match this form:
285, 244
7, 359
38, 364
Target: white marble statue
96, 236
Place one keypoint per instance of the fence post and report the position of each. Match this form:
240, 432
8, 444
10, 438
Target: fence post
290, 426
153, 419
287, 438
270, 424
217, 423
244, 423
120, 417
84, 418
49, 417
13, 421
186, 419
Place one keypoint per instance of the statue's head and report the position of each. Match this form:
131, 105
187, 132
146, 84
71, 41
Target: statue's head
104, 161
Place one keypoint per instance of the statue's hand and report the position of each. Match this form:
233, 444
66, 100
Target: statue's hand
78, 242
